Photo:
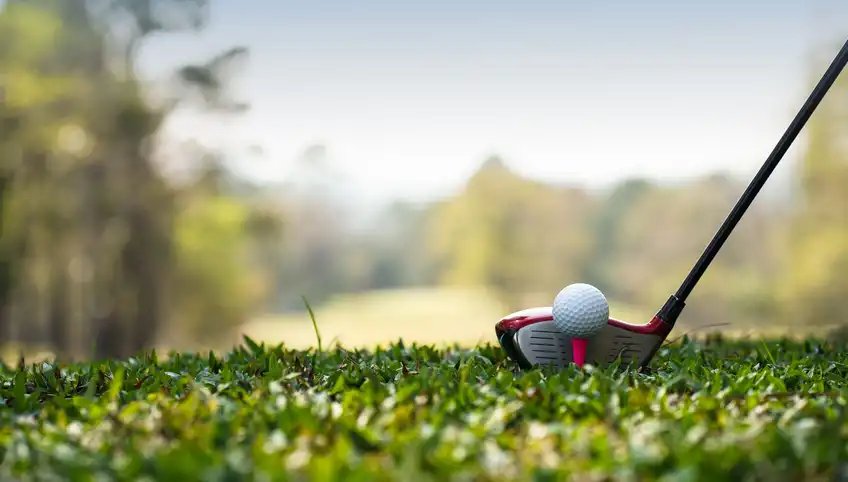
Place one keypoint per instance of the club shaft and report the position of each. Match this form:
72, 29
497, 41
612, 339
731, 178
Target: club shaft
712, 249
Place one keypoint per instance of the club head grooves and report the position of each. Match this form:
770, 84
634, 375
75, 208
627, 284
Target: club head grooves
530, 338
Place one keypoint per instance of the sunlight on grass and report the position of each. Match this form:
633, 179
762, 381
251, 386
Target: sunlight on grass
269, 413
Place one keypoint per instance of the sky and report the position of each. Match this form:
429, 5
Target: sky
411, 97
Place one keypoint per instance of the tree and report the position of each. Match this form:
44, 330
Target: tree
652, 236
521, 238
612, 214
815, 281
104, 210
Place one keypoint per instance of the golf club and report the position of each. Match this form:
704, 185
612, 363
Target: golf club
530, 337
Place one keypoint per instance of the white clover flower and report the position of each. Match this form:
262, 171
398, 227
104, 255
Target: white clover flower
364, 417
21, 451
495, 422
473, 418
389, 403
494, 460
276, 441
74, 429
551, 459
336, 410
459, 453
63, 451
450, 434
466, 438
298, 459
695, 434
537, 431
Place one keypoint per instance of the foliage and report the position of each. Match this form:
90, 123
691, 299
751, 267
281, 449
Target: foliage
93, 238
511, 234
213, 282
708, 411
815, 275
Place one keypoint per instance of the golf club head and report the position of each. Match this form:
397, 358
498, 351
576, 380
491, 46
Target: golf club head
530, 338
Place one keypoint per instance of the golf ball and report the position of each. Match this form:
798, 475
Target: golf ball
580, 310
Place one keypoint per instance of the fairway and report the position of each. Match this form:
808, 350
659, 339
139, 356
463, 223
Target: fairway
740, 411
438, 316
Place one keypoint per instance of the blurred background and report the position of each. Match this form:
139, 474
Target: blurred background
179, 173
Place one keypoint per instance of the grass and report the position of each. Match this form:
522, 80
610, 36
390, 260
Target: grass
734, 410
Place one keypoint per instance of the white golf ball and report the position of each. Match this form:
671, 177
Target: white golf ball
580, 310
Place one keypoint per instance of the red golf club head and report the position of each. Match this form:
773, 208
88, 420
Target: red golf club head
531, 339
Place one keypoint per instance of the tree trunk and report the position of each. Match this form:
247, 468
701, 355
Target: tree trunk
5, 268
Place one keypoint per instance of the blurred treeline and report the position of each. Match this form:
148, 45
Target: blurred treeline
103, 253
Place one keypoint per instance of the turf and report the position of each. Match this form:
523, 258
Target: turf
706, 411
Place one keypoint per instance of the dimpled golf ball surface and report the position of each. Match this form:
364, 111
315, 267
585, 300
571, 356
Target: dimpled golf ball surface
580, 310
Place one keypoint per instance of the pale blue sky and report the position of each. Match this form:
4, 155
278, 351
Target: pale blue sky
411, 96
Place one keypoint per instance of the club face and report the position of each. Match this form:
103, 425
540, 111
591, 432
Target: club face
530, 338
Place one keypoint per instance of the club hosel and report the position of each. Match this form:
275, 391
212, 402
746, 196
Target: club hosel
671, 310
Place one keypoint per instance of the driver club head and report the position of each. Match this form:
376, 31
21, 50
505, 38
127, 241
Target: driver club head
530, 338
